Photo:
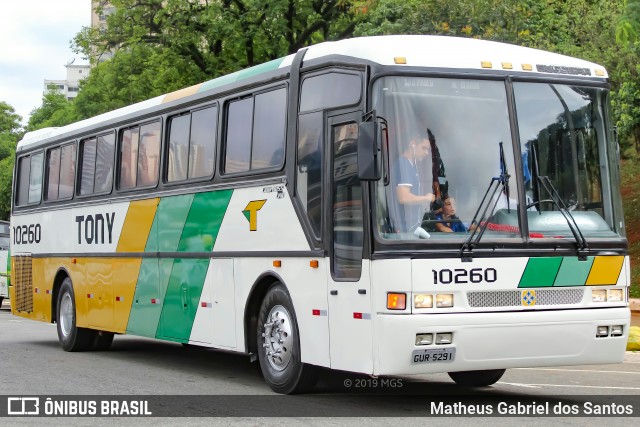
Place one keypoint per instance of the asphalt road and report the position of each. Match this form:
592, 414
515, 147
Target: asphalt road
32, 363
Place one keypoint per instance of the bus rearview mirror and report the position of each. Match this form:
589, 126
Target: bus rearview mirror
369, 153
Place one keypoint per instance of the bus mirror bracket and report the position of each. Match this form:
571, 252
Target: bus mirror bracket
369, 152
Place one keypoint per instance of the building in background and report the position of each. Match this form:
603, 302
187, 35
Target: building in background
70, 86
100, 21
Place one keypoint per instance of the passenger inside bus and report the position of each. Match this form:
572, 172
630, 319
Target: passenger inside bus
446, 219
411, 199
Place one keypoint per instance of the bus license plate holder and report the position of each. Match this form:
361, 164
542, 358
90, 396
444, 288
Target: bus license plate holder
433, 355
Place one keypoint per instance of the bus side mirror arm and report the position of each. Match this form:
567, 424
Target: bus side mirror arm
369, 152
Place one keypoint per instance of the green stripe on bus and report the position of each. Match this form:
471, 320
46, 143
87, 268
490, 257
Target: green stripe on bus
242, 74
186, 281
154, 275
540, 272
573, 272
204, 221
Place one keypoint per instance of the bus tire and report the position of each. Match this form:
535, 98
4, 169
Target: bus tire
278, 343
71, 337
102, 340
477, 378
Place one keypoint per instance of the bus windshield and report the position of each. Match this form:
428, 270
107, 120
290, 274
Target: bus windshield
450, 139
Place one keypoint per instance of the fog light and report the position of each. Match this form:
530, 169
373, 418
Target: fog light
615, 295
445, 338
616, 331
599, 295
423, 301
396, 301
444, 300
424, 339
603, 331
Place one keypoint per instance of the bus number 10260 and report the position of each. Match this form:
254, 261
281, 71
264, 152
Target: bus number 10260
24, 234
462, 275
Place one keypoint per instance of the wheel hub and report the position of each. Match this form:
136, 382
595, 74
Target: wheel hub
278, 338
66, 314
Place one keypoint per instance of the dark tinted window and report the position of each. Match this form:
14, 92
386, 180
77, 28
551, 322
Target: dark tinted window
140, 156
202, 145
192, 141
330, 90
178, 148
67, 171
53, 173
24, 166
256, 132
269, 129
88, 166
309, 170
35, 178
104, 163
239, 126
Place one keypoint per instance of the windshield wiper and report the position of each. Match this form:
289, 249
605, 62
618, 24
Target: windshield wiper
498, 182
545, 182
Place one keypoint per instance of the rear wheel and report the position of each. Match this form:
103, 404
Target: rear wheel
279, 345
477, 378
71, 337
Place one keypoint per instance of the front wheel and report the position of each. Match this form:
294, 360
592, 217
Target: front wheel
477, 378
71, 337
279, 345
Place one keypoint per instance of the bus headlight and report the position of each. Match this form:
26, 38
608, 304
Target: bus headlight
615, 295
423, 301
444, 300
599, 295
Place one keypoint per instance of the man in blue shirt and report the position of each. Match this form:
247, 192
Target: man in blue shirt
412, 200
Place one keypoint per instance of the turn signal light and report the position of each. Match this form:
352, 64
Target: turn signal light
396, 301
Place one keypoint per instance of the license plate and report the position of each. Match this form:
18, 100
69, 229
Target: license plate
433, 355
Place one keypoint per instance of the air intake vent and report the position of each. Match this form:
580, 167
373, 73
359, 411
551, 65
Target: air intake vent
22, 280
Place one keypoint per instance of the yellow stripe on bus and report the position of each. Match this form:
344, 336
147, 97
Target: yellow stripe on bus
103, 288
182, 93
137, 225
605, 270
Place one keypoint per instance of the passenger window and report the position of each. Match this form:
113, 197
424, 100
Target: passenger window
330, 90
192, 139
96, 173
256, 129
140, 156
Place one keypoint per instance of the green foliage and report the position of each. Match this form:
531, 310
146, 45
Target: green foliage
10, 133
9, 120
629, 23
55, 110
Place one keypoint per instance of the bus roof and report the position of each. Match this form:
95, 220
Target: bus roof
402, 50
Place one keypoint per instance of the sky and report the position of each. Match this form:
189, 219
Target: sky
35, 44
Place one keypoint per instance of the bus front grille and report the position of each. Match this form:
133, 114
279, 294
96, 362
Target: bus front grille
487, 299
22, 281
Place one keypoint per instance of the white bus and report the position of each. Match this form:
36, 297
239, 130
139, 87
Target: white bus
300, 212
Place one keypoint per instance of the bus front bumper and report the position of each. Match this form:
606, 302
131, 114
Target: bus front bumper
499, 340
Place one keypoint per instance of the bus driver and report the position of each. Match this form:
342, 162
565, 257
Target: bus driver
412, 200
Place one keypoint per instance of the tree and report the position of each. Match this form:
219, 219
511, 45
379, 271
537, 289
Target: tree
56, 110
9, 120
10, 133
629, 23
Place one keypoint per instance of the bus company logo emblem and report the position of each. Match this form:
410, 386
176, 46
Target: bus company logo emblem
251, 213
529, 298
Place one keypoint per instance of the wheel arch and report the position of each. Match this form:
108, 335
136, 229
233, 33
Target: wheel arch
61, 274
252, 307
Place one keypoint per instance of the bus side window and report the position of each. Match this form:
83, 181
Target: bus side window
256, 132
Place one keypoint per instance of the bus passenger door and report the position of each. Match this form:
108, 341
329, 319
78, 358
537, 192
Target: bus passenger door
350, 324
